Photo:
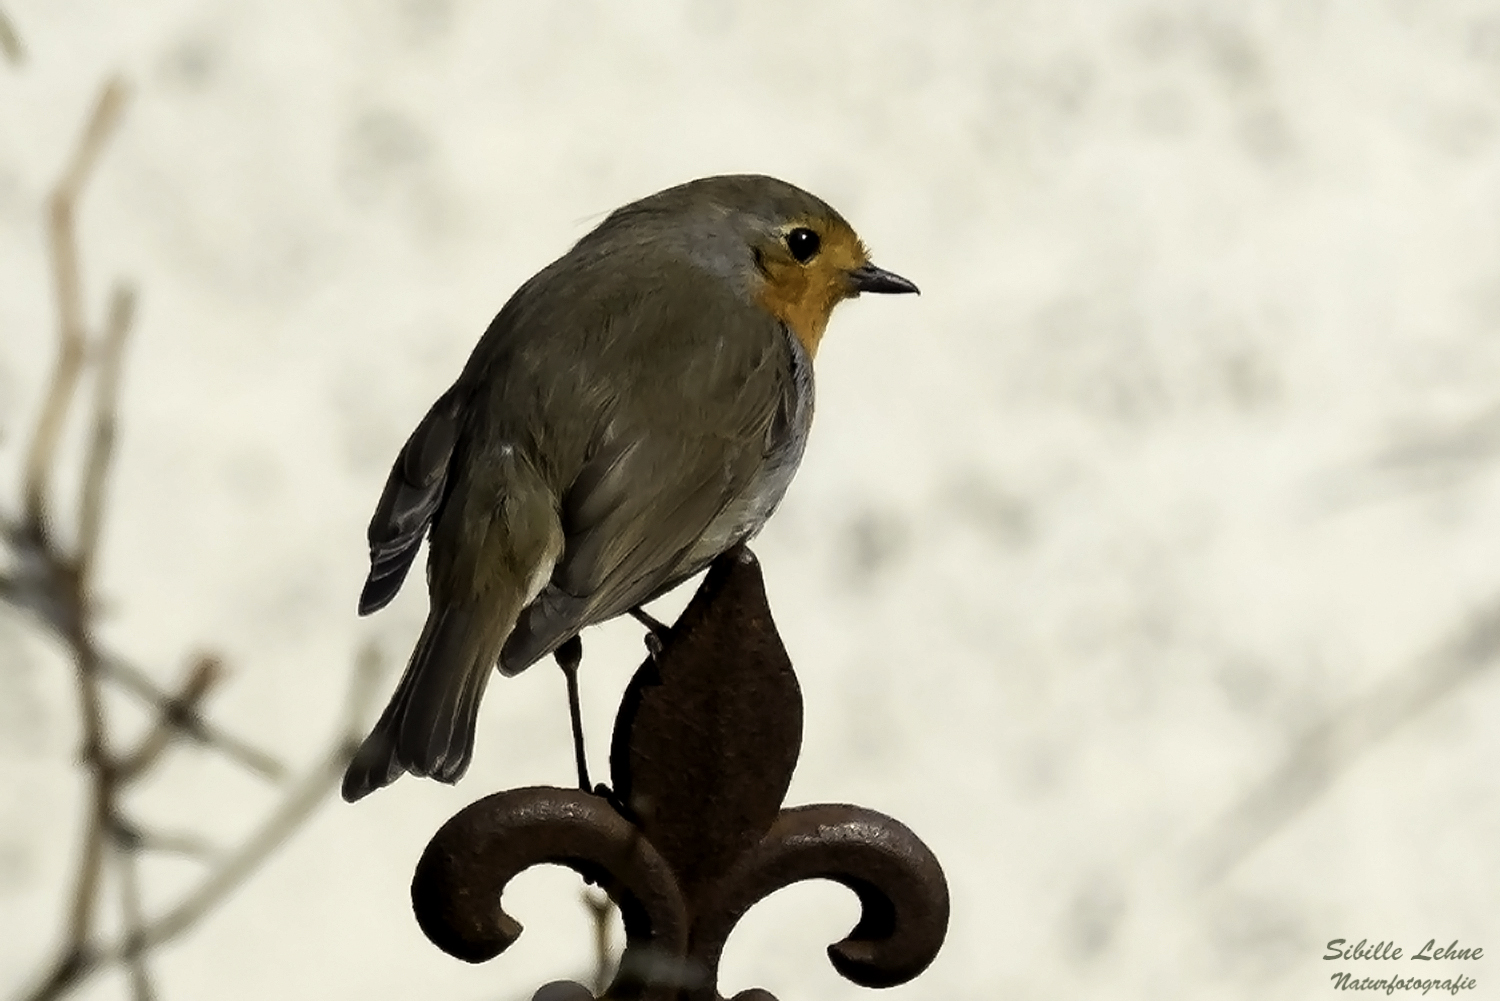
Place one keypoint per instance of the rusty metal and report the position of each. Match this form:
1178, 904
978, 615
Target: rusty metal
693, 834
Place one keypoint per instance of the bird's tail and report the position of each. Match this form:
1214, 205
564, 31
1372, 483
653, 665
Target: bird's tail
428, 727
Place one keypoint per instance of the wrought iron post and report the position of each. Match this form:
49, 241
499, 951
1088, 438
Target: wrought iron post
693, 833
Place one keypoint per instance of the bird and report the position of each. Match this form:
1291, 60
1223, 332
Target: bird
636, 408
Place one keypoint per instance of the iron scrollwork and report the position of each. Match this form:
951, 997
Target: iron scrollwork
693, 833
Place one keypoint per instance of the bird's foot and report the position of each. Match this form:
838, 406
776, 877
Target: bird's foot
656, 631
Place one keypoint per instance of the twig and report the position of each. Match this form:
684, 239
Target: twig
238, 865
70, 356
300, 801
10, 42
138, 683
176, 843
35, 591
101, 445
102, 802
1333, 746
127, 863
175, 717
56, 585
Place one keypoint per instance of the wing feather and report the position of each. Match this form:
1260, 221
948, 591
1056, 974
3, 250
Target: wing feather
656, 477
412, 494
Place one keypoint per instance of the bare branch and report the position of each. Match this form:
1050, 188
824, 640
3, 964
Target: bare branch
70, 356
300, 801
138, 683
102, 442
62, 592
10, 42
127, 863
97, 758
176, 843
86, 888
102, 123
41, 579
1333, 746
176, 717
44, 585
55, 586
81, 963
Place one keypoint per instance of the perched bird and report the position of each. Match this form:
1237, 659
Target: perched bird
635, 409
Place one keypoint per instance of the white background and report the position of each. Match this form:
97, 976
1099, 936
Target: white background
1186, 453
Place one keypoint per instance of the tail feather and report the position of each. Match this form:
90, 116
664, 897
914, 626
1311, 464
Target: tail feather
428, 727
437, 728
489, 557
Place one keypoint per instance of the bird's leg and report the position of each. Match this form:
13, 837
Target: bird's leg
656, 631
569, 656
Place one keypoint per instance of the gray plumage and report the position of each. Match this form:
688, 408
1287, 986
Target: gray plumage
633, 411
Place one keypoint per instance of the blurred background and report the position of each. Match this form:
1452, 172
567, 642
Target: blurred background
1145, 565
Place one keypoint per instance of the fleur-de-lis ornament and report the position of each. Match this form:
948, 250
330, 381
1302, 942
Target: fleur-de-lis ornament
693, 833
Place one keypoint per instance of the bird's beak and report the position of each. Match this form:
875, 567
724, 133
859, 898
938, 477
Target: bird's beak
869, 278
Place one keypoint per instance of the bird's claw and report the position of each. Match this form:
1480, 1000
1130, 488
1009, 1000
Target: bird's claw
607, 794
656, 631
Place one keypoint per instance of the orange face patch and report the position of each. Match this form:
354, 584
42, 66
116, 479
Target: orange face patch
802, 295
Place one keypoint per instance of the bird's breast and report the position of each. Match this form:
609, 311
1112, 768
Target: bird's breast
785, 442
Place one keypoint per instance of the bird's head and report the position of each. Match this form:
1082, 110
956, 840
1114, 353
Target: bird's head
786, 249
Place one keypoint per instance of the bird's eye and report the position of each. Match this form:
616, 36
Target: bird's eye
803, 243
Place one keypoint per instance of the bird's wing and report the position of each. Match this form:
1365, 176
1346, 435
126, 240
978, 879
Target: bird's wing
412, 494
672, 454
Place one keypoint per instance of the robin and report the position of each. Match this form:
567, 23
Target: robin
636, 409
